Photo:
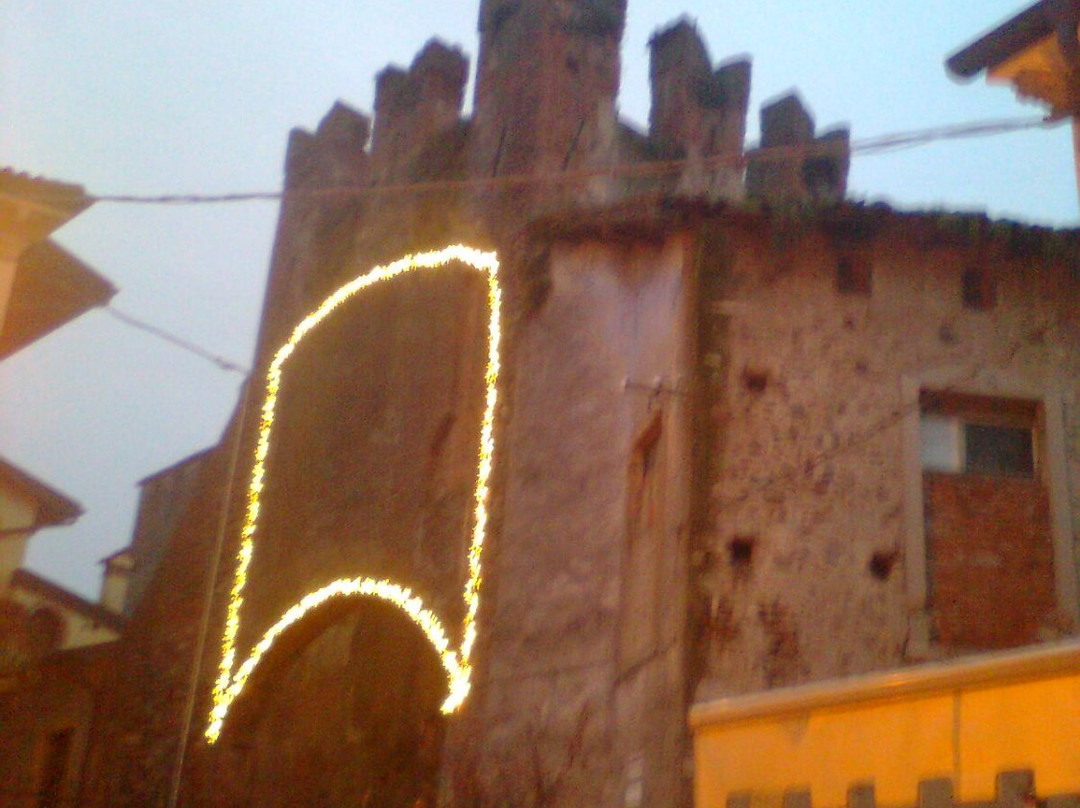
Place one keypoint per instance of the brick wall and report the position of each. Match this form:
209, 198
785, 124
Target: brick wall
991, 560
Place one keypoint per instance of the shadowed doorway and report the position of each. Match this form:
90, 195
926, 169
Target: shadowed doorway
346, 715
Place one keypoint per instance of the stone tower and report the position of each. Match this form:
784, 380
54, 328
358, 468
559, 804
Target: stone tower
368, 486
546, 84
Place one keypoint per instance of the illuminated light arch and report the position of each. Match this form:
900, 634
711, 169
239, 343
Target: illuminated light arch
456, 662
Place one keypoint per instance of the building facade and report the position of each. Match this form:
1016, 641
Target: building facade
488, 522
54, 645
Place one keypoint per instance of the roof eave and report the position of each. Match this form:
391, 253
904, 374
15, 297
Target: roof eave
52, 287
1007, 39
54, 509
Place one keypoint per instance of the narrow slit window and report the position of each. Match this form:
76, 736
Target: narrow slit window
853, 275
977, 289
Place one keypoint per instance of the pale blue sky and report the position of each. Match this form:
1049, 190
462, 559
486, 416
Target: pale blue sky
181, 96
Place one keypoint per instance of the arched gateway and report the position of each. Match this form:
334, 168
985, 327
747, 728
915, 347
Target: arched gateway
343, 710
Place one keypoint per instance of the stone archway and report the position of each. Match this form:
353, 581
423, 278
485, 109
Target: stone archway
346, 715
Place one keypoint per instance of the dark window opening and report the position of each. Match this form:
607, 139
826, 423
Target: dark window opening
755, 380
881, 564
998, 450
977, 289
741, 554
853, 275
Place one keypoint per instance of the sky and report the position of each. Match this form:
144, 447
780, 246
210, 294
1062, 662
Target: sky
176, 96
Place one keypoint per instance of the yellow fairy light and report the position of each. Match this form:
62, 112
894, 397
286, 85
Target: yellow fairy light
231, 679
383, 589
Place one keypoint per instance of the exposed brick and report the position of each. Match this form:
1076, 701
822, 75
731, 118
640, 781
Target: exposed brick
991, 560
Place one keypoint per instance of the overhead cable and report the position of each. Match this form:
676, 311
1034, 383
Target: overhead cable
868, 146
173, 339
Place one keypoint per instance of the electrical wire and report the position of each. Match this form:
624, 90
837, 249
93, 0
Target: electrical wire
173, 339
869, 146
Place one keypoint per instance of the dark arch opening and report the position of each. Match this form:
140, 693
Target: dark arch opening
343, 711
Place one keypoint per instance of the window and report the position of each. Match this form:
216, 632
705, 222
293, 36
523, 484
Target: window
853, 275
977, 289
977, 435
988, 538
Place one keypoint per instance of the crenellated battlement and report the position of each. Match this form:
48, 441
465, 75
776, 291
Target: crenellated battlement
811, 168
411, 106
697, 112
547, 82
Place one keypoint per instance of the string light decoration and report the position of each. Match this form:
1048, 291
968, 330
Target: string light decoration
231, 678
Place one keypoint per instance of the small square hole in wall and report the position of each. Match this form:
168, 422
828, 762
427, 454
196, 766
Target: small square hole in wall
755, 380
853, 275
741, 554
881, 564
977, 289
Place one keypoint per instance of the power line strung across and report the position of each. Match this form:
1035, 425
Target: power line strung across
869, 146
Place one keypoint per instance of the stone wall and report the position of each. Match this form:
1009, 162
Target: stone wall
546, 85
775, 459
372, 460
797, 166
162, 499
413, 106
811, 556
351, 715
142, 716
703, 432
582, 665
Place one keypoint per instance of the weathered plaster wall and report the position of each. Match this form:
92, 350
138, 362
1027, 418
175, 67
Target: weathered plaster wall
372, 462
552, 684
806, 570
